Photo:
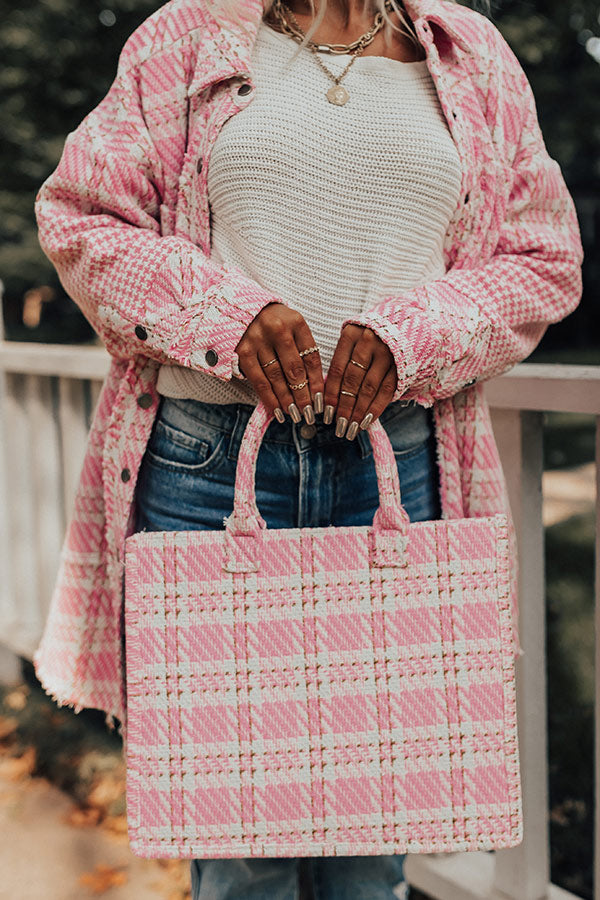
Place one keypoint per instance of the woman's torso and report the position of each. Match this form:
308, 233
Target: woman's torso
331, 208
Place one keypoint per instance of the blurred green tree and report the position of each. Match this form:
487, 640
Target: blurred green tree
558, 45
59, 58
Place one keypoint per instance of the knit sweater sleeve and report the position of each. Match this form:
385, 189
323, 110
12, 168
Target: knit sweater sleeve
475, 323
99, 218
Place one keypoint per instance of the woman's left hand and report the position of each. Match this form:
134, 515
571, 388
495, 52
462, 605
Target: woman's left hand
372, 383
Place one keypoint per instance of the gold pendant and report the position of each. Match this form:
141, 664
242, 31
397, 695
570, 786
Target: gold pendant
337, 94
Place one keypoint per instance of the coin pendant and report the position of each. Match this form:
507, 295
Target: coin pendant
337, 94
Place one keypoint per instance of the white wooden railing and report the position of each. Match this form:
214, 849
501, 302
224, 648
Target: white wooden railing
47, 397
518, 401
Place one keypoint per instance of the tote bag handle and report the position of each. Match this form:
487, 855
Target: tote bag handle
245, 524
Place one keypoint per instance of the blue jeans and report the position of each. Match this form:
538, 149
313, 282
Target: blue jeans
305, 477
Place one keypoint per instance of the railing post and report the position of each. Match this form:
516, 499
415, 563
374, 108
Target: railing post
523, 872
10, 665
597, 676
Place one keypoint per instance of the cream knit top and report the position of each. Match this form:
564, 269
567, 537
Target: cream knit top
332, 208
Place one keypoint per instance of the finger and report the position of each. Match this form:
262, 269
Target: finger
335, 374
279, 385
386, 391
312, 363
364, 353
357, 372
367, 393
250, 367
295, 373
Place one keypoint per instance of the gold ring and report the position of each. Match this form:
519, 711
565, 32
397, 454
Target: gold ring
264, 365
308, 350
348, 393
358, 364
296, 387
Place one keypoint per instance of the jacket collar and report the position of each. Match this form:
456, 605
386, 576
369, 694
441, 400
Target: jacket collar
232, 47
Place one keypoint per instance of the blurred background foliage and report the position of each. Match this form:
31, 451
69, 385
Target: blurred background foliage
59, 58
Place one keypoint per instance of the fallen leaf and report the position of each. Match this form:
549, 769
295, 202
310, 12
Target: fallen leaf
175, 881
116, 826
106, 791
16, 699
8, 725
103, 878
15, 768
81, 817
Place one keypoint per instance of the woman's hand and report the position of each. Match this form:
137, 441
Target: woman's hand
372, 383
280, 333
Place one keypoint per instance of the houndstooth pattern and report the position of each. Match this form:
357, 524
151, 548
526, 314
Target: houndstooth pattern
314, 699
125, 220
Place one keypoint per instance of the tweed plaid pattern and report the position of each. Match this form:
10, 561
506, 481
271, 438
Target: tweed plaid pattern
313, 692
126, 222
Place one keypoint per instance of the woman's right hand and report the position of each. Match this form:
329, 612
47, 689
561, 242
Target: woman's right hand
280, 333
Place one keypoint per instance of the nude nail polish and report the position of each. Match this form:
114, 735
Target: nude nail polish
294, 412
341, 426
367, 420
278, 413
309, 414
351, 433
318, 402
328, 414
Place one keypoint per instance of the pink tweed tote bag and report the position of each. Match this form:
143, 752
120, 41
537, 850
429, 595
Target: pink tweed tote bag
321, 691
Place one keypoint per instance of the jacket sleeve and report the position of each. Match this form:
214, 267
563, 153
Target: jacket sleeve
98, 217
475, 323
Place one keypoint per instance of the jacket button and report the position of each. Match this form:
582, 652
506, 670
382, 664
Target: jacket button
145, 401
244, 89
199, 165
125, 475
308, 431
211, 357
141, 332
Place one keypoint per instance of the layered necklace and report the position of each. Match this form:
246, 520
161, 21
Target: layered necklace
337, 93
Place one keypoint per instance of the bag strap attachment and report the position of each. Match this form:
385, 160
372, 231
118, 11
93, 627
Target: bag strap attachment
390, 522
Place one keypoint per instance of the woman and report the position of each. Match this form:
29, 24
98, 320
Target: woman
248, 217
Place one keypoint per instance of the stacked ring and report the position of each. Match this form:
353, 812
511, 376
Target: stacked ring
302, 353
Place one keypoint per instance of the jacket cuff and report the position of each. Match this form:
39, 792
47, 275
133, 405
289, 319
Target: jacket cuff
225, 315
412, 344
215, 310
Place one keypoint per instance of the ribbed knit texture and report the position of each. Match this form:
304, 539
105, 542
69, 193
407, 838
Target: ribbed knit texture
332, 208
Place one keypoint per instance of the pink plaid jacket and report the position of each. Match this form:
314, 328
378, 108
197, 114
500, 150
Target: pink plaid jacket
125, 220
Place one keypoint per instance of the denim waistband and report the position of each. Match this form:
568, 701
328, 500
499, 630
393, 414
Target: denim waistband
414, 421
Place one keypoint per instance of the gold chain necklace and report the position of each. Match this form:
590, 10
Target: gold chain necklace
337, 94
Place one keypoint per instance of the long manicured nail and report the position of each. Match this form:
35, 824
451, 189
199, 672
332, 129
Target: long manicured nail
278, 413
351, 433
318, 400
294, 412
328, 414
309, 414
367, 420
341, 426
